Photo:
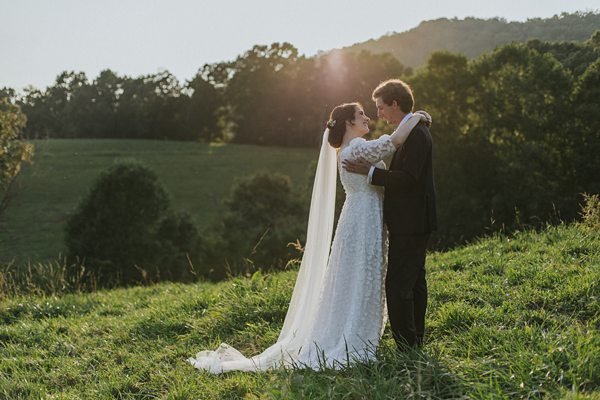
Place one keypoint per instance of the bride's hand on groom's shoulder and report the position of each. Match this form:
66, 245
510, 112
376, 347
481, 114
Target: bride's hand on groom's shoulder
425, 117
356, 166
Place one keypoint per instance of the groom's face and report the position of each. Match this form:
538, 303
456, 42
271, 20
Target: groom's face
390, 112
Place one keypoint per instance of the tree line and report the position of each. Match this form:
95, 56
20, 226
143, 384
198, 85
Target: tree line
269, 95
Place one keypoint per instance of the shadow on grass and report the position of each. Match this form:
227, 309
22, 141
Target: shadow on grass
411, 373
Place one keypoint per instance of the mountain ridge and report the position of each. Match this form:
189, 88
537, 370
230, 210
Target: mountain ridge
473, 36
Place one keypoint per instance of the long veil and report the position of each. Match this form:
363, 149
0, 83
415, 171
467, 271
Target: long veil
298, 324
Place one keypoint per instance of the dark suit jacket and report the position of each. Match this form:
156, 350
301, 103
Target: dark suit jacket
409, 202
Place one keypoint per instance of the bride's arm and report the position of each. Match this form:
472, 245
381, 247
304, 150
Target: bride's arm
369, 152
401, 133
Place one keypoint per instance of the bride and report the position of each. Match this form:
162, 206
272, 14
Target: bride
337, 312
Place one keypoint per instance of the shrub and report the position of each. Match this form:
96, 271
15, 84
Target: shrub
13, 150
263, 215
114, 228
180, 248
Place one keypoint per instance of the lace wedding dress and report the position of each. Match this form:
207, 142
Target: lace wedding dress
337, 312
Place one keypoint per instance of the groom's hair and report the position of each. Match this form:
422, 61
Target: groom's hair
395, 89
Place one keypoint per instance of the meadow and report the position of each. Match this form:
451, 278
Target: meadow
198, 177
509, 317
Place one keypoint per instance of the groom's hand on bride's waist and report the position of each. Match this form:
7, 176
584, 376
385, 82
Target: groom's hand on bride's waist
357, 167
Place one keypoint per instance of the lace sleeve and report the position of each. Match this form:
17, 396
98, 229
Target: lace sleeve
371, 150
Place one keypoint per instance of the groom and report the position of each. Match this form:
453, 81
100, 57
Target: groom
409, 212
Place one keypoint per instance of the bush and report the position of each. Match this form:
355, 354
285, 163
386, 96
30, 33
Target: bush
13, 150
122, 229
263, 216
180, 247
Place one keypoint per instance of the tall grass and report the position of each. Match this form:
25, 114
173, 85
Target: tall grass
50, 278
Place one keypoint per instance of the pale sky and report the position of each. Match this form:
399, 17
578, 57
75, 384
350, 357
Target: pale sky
41, 38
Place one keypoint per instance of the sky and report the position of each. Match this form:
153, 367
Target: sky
41, 38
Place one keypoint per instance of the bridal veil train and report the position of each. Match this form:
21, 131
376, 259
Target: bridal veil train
292, 346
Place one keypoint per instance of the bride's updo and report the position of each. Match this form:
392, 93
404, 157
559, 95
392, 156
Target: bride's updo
337, 122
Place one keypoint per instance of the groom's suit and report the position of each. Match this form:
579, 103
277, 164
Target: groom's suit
409, 212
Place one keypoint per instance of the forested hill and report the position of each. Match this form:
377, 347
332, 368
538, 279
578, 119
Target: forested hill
473, 36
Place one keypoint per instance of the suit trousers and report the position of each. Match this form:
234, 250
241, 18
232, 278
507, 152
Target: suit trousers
406, 288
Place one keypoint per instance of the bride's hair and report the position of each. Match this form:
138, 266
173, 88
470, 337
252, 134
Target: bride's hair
337, 122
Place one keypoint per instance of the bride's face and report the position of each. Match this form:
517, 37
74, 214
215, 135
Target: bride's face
361, 121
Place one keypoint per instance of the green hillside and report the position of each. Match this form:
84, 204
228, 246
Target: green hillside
473, 36
198, 177
509, 317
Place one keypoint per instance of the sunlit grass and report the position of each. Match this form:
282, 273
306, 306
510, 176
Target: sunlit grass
509, 317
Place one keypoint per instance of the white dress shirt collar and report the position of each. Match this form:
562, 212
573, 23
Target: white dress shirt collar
406, 118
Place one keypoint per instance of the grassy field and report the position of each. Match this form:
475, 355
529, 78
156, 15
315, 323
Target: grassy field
509, 317
198, 177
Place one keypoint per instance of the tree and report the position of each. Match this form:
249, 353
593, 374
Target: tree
14, 151
518, 122
444, 88
114, 228
104, 98
586, 129
255, 92
262, 216
201, 116
278, 97
180, 246
575, 56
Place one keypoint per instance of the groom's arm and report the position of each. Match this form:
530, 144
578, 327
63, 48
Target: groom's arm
416, 148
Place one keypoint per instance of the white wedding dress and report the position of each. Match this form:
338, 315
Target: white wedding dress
337, 312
